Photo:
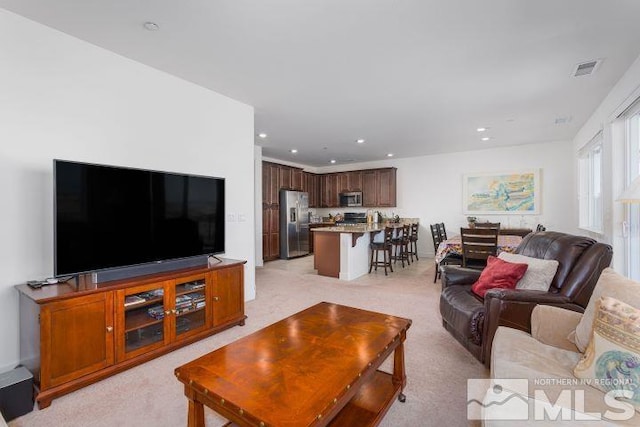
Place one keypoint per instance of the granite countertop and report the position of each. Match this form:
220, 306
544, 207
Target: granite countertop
364, 228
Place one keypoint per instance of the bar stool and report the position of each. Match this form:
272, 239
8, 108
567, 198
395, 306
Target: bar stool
384, 246
413, 241
401, 244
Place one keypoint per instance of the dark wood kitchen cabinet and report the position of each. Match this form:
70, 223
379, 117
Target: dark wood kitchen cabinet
290, 178
369, 188
387, 187
270, 183
343, 182
349, 181
271, 232
355, 180
297, 179
285, 178
311, 186
379, 187
329, 190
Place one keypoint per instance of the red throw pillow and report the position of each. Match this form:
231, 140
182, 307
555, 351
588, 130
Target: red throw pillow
498, 274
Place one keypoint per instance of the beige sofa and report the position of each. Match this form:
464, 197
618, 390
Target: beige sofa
546, 358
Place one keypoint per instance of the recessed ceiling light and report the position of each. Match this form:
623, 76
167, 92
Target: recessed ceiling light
486, 138
332, 161
481, 129
262, 135
294, 151
360, 141
389, 154
151, 26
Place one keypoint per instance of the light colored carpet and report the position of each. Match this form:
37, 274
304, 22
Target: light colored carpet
437, 366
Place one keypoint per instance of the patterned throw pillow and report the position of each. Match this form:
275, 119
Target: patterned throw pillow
610, 284
612, 359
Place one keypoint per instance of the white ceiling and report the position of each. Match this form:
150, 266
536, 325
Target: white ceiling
412, 77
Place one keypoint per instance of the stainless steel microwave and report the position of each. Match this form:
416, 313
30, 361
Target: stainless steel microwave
351, 199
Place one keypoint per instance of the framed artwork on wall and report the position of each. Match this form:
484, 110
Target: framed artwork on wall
502, 193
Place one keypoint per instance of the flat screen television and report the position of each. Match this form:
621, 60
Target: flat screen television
108, 217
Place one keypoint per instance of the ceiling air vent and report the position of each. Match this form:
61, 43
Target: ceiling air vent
586, 68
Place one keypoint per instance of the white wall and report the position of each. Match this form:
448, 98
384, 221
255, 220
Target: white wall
430, 187
625, 91
63, 98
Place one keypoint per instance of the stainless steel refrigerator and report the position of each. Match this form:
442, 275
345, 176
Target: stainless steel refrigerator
294, 223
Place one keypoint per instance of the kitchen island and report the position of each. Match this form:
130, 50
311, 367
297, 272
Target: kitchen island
343, 251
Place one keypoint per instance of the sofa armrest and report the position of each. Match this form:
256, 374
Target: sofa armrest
513, 308
454, 275
552, 325
526, 295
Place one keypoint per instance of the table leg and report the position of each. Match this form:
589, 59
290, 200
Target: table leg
196, 414
399, 374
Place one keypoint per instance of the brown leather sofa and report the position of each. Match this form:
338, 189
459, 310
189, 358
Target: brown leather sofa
473, 321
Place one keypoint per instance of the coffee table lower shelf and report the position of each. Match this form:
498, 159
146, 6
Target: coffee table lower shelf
370, 404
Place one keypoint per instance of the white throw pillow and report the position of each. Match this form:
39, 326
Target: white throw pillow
540, 272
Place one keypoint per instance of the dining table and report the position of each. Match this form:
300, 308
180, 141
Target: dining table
453, 245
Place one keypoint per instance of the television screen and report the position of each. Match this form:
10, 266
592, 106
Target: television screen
108, 217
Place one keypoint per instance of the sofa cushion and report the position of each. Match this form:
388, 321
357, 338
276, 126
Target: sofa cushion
550, 325
498, 274
464, 311
517, 354
612, 358
610, 284
539, 274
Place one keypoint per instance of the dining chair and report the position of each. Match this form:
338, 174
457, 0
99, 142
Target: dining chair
413, 241
442, 230
385, 246
477, 245
488, 225
401, 245
439, 234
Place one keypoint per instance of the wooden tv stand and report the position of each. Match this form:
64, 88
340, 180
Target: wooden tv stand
74, 334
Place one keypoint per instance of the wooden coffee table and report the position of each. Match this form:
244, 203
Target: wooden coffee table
317, 367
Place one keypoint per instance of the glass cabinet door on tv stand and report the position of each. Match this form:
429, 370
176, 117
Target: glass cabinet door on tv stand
153, 315
190, 306
141, 319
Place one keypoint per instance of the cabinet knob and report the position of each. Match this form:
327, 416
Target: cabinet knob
173, 311
216, 298
109, 328
167, 312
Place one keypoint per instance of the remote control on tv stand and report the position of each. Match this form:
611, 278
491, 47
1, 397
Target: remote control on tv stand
35, 284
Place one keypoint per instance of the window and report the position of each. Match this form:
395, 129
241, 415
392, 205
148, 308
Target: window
590, 192
632, 230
